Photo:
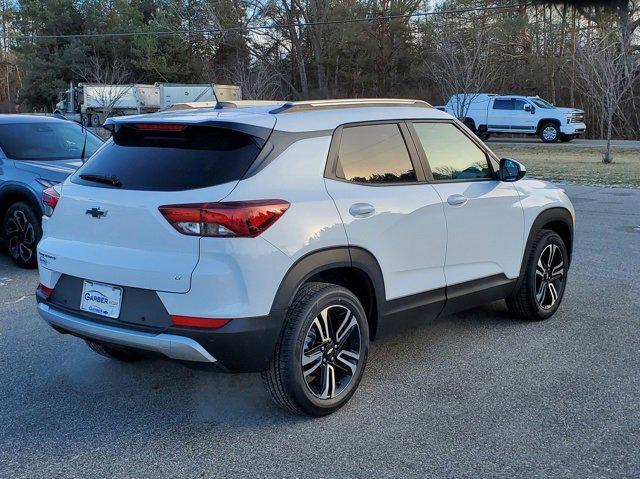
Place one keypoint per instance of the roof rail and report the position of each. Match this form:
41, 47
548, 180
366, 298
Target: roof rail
222, 105
314, 105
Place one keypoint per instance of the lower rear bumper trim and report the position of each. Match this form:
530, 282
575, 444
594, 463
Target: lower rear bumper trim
171, 345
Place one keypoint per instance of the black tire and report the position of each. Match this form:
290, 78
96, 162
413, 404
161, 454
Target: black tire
95, 120
526, 302
566, 138
549, 132
469, 123
482, 133
21, 231
126, 355
285, 378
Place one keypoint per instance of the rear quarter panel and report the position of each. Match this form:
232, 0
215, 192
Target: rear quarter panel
312, 221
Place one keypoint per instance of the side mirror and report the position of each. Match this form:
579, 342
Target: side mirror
511, 170
530, 108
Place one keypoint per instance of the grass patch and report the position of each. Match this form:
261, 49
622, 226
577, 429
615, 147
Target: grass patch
575, 164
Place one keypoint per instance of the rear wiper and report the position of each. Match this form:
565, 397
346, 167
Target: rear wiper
107, 180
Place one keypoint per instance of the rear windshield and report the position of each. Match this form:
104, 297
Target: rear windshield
47, 141
196, 157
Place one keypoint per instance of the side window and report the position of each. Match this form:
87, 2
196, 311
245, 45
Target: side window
374, 154
451, 154
519, 104
503, 105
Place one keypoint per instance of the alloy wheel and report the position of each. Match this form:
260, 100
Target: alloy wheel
550, 133
331, 352
21, 236
549, 276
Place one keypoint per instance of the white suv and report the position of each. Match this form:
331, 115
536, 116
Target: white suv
284, 238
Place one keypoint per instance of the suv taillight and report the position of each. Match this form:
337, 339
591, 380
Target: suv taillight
235, 219
50, 198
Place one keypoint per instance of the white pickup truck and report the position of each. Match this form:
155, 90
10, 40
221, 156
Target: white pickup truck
488, 113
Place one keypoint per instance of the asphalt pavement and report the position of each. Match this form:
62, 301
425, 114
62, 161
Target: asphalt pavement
477, 394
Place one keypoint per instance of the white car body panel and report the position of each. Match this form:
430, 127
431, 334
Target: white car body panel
537, 196
311, 222
407, 233
234, 278
485, 235
132, 245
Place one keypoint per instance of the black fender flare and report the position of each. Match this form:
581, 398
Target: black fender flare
324, 260
18, 190
555, 215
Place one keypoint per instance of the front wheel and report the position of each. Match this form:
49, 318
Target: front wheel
322, 352
549, 132
21, 231
542, 286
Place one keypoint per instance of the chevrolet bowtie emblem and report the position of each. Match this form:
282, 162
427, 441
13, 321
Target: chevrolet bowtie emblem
96, 212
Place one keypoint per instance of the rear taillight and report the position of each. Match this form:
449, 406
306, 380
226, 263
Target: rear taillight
50, 198
45, 290
239, 219
195, 322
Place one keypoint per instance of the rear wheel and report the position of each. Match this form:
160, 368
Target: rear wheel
542, 287
322, 352
123, 354
95, 120
21, 230
549, 132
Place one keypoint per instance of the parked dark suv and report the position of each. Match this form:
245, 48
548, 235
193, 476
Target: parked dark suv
36, 152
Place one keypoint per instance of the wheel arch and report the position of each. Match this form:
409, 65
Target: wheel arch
14, 193
547, 120
353, 268
557, 219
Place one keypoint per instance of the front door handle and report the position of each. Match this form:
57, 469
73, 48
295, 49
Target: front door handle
361, 210
457, 200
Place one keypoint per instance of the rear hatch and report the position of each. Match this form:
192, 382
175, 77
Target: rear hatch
107, 226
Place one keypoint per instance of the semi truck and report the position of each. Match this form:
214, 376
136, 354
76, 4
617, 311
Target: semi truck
487, 114
92, 103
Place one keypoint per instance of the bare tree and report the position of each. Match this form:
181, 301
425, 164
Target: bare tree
607, 71
463, 67
257, 82
113, 76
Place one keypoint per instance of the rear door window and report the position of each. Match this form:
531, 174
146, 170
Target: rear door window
374, 154
503, 104
184, 159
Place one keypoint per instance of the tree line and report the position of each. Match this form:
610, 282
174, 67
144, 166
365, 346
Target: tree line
583, 54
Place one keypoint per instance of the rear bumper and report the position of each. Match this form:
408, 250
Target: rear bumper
242, 345
172, 346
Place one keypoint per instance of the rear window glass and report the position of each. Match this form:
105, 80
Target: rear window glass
196, 157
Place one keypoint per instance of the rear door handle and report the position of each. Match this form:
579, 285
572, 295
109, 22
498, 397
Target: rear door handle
457, 200
361, 210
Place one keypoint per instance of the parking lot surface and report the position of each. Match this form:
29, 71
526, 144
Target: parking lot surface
477, 394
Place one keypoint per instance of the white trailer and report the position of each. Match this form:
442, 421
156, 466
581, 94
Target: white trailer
93, 103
